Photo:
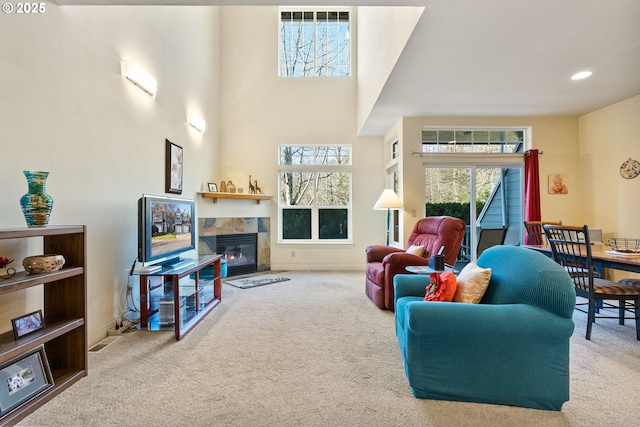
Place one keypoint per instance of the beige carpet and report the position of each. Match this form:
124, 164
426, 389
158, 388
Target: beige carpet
315, 351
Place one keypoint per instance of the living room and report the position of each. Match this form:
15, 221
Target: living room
68, 110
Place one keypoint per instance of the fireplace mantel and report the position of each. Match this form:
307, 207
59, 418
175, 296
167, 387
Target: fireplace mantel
220, 195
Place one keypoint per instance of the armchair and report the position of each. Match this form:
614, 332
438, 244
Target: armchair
511, 349
384, 262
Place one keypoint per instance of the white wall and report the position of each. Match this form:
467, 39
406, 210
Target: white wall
608, 137
261, 110
66, 109
387, 31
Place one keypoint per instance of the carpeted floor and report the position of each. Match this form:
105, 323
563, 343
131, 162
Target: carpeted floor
315, 351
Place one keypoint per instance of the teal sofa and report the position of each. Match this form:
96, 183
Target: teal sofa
511, 349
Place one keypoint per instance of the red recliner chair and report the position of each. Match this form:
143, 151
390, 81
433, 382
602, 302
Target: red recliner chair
384, 262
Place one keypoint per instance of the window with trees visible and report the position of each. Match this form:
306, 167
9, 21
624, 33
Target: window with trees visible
495, 141
314, 200
314, 43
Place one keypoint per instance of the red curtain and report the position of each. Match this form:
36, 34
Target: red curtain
531, 188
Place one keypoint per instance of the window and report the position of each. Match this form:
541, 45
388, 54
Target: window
314, 200
473, 140
314, 43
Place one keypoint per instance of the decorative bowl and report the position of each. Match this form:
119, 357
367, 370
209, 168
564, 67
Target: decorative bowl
43, 263
624, 245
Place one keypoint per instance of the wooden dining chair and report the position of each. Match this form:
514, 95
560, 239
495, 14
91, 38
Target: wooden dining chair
571, 248
536, 232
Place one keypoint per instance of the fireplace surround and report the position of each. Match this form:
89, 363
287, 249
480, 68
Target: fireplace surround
233, 233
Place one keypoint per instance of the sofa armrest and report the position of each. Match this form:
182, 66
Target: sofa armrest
474, 322
400, 260
376, 253
410, 285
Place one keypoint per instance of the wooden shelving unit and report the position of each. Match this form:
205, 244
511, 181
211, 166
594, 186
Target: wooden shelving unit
242, 196
64, 309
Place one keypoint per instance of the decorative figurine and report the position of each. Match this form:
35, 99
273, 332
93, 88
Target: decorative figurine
258, 190
252, 189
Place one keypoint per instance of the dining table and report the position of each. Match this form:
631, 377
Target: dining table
602, 257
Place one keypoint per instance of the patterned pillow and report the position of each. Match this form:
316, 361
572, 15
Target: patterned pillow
441, 287
415, 250
472, 283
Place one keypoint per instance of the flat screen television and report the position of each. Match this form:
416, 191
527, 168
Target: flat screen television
165, 229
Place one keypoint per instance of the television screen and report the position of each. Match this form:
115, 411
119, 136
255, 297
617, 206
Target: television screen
165, 228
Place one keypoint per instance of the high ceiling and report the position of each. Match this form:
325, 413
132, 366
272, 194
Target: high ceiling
498, 57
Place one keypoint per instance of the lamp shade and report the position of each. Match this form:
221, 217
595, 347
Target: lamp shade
388, 200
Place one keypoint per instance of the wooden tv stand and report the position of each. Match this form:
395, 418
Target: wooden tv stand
179, 298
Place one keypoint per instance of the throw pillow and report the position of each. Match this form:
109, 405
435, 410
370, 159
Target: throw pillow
441, 287
472, 283
415, 250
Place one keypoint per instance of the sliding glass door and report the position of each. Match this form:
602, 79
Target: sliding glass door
486, 196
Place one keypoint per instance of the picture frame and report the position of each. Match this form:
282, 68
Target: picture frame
557, 183
174, 167
213, 187
27, 324
24, 378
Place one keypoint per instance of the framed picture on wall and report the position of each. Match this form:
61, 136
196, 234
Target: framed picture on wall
174, 166
558, 183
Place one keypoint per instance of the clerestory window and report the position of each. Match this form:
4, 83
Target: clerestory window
314, 203
314, 43
495, 141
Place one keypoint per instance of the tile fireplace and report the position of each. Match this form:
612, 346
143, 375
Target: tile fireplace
243, 242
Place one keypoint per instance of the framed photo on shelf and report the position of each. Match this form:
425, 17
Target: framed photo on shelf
26, 324
173, 178
23, 378
213, 187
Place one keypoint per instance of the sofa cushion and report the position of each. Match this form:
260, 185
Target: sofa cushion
415, 250
441, 287
472, 283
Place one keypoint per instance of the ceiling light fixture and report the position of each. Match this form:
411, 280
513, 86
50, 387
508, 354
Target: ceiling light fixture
139, 77
581, 75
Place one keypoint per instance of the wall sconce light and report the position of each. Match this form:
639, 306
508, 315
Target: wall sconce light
139, 77
196, 122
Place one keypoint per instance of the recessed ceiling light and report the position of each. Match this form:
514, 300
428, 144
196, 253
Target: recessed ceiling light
581, 75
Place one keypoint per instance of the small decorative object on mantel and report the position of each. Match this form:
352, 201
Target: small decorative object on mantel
223, 187
6, 272
230, 187
252, 188
43, 263
36, 204
258, 190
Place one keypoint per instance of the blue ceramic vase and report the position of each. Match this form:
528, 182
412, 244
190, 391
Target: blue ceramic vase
36, 204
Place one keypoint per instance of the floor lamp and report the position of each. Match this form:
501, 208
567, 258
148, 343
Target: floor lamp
388, 200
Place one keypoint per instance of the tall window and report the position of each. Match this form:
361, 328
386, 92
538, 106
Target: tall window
314, 43
314, 201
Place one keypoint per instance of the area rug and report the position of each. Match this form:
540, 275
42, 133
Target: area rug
253, 281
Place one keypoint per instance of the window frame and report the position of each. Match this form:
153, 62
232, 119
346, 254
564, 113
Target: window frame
315, 208
315, 10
